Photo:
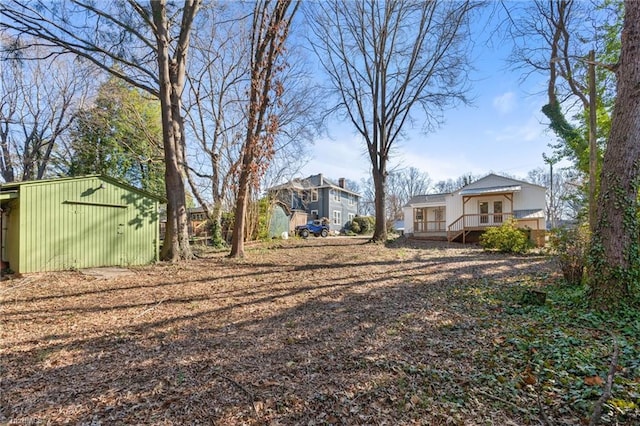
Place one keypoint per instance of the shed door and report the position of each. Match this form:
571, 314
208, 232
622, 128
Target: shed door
99, 235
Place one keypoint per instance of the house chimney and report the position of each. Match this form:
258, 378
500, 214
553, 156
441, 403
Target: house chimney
341, 183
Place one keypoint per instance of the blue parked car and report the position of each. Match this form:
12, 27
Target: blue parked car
317, 227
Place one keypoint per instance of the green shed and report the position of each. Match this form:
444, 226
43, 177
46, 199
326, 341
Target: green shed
278, 220
78, 222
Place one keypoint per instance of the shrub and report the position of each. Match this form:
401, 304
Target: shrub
353, 226
571, 246
366, 224
506, 239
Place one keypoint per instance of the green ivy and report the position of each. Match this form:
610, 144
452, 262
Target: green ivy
613, 285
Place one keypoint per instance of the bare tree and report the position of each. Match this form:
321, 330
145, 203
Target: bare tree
218, 81
271, 22
145, 45
558, 38
386, 60
615, 251
401, 186
367, 205
562, 188
38, 103
452, 185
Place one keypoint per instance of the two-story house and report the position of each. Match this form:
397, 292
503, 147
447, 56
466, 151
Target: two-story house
320, 198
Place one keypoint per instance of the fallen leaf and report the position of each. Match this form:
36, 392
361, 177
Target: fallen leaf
593, 381
528, 377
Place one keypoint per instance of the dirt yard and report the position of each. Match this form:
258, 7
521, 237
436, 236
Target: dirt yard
301, 332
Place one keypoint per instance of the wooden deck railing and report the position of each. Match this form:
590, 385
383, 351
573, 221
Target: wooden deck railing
475, 222
430, 226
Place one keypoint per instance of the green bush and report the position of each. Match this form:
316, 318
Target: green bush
353, 226
365, 223
506, 239
571, 246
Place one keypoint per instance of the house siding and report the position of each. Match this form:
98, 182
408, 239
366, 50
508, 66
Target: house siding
527, 197
408, 219
325, 205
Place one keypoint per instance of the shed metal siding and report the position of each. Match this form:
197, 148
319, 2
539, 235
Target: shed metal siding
86, 222
12, 238
278, 222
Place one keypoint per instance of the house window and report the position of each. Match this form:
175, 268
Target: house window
314, 214
438, 216
419, 216
336, 195
497, 211
352, 216
314, 195
484, 211
352, 199
337, 217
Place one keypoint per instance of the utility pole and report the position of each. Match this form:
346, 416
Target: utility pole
593, 147
552, 213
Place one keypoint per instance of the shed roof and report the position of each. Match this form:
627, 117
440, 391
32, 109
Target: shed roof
13, 186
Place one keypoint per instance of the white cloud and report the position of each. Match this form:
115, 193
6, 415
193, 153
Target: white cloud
527, 131
505, 103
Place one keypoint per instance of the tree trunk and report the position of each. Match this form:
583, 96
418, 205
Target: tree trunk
379, 182
615, 256
237, 241
176, 241
270, 29
217, 239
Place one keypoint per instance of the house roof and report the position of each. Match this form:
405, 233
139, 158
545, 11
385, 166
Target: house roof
497, 181
296, 183
528, 214
13, 186
428, 199
493, 184
491, 190
307, 183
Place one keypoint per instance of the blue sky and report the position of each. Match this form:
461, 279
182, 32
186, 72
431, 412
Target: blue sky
503, 131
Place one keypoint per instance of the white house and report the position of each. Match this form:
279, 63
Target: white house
464, 214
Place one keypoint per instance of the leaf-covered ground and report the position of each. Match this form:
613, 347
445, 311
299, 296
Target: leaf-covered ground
314, 332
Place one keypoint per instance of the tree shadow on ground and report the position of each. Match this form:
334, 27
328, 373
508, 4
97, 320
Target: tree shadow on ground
382, 337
